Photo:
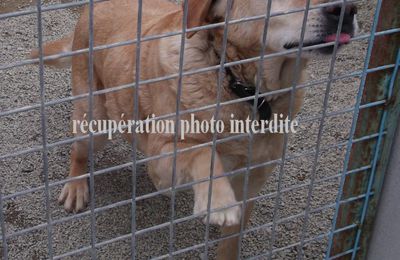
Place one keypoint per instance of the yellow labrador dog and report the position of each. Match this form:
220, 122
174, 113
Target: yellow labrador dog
116, 21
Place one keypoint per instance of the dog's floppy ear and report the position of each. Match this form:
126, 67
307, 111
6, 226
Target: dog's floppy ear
198, 11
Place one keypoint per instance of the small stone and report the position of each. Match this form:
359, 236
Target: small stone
27, 169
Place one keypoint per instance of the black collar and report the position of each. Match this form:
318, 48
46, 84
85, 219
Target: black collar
243, 90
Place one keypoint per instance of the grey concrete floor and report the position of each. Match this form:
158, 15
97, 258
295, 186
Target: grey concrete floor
20, 87
386, 234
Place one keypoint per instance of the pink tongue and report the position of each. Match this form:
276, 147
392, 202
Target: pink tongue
344, 38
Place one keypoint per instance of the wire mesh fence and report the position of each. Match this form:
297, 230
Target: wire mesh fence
300, 211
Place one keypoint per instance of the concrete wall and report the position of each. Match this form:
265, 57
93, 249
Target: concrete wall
385, 242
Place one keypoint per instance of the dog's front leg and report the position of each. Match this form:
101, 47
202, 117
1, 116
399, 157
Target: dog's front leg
228, 248
195, 165
222, 194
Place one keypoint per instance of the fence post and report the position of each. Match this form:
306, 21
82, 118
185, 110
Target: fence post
384, 84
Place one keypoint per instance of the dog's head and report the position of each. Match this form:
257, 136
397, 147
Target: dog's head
285, 25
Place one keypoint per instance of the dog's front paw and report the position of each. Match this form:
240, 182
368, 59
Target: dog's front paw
228, 216
225, 217
74, 196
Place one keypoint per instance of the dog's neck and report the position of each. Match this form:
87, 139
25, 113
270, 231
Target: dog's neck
247, 71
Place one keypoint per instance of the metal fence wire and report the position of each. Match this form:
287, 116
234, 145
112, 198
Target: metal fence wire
319, 202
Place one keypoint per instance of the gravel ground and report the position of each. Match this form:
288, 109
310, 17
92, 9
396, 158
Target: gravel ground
20, 87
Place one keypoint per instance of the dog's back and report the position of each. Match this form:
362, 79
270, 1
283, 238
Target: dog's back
109, 18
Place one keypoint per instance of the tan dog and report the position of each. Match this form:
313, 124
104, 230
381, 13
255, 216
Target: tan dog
115, 21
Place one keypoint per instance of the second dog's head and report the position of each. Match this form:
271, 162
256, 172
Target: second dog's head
285, 24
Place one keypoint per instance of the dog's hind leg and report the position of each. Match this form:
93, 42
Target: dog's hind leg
75, 194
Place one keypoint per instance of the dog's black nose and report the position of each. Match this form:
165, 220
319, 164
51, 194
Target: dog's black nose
333, 12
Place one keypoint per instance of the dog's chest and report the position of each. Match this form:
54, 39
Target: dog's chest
264, 148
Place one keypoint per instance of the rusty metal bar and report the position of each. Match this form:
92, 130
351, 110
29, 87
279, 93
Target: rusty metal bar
383, 84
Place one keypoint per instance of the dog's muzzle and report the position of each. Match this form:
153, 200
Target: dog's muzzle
333, 19
331, 24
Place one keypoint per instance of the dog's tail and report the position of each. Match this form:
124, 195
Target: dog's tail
61, 46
